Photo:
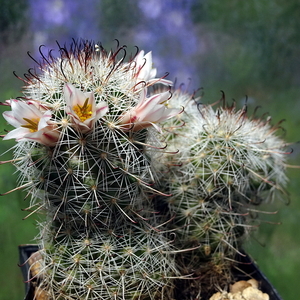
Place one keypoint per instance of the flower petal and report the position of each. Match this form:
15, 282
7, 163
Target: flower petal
31, 123
149, 111
144, 71
101, 110
47, 136
45, 119
17, 133
82, 108
10, 118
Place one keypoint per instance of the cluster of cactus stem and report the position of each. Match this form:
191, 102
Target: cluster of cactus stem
227, 164
144, 192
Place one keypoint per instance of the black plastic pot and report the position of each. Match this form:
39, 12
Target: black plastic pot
246, 269
24, 253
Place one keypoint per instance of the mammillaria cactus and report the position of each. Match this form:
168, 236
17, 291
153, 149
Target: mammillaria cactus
227, 164
83, 155
144, 192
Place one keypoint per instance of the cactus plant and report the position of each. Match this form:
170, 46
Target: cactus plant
227, 164
83, 155
144, 192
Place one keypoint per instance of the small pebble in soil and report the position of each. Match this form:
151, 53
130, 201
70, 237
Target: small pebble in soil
242, 290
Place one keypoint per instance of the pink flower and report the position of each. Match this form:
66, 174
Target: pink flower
144, 71
82, 107
149, 111
31, 123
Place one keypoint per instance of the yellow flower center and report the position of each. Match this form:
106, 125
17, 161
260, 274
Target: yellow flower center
32, 125
83, 112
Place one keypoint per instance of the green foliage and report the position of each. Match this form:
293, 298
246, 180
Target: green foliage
13, 230
13, 19
266, 30
117, 17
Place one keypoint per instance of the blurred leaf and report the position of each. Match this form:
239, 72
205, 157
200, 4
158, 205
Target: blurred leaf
13, 19
117, 17
269, 29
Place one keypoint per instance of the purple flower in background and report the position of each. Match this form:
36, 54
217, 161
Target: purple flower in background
61, 21
165, 28
168, 25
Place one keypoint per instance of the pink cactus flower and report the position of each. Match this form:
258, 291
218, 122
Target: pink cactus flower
148, 112
82, 108
31, 123
144, 71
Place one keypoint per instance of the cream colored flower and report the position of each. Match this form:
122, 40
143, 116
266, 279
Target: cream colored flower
148, 112
31, 123
82, 108
144, 71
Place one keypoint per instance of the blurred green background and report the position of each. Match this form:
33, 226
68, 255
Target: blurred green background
241, 47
